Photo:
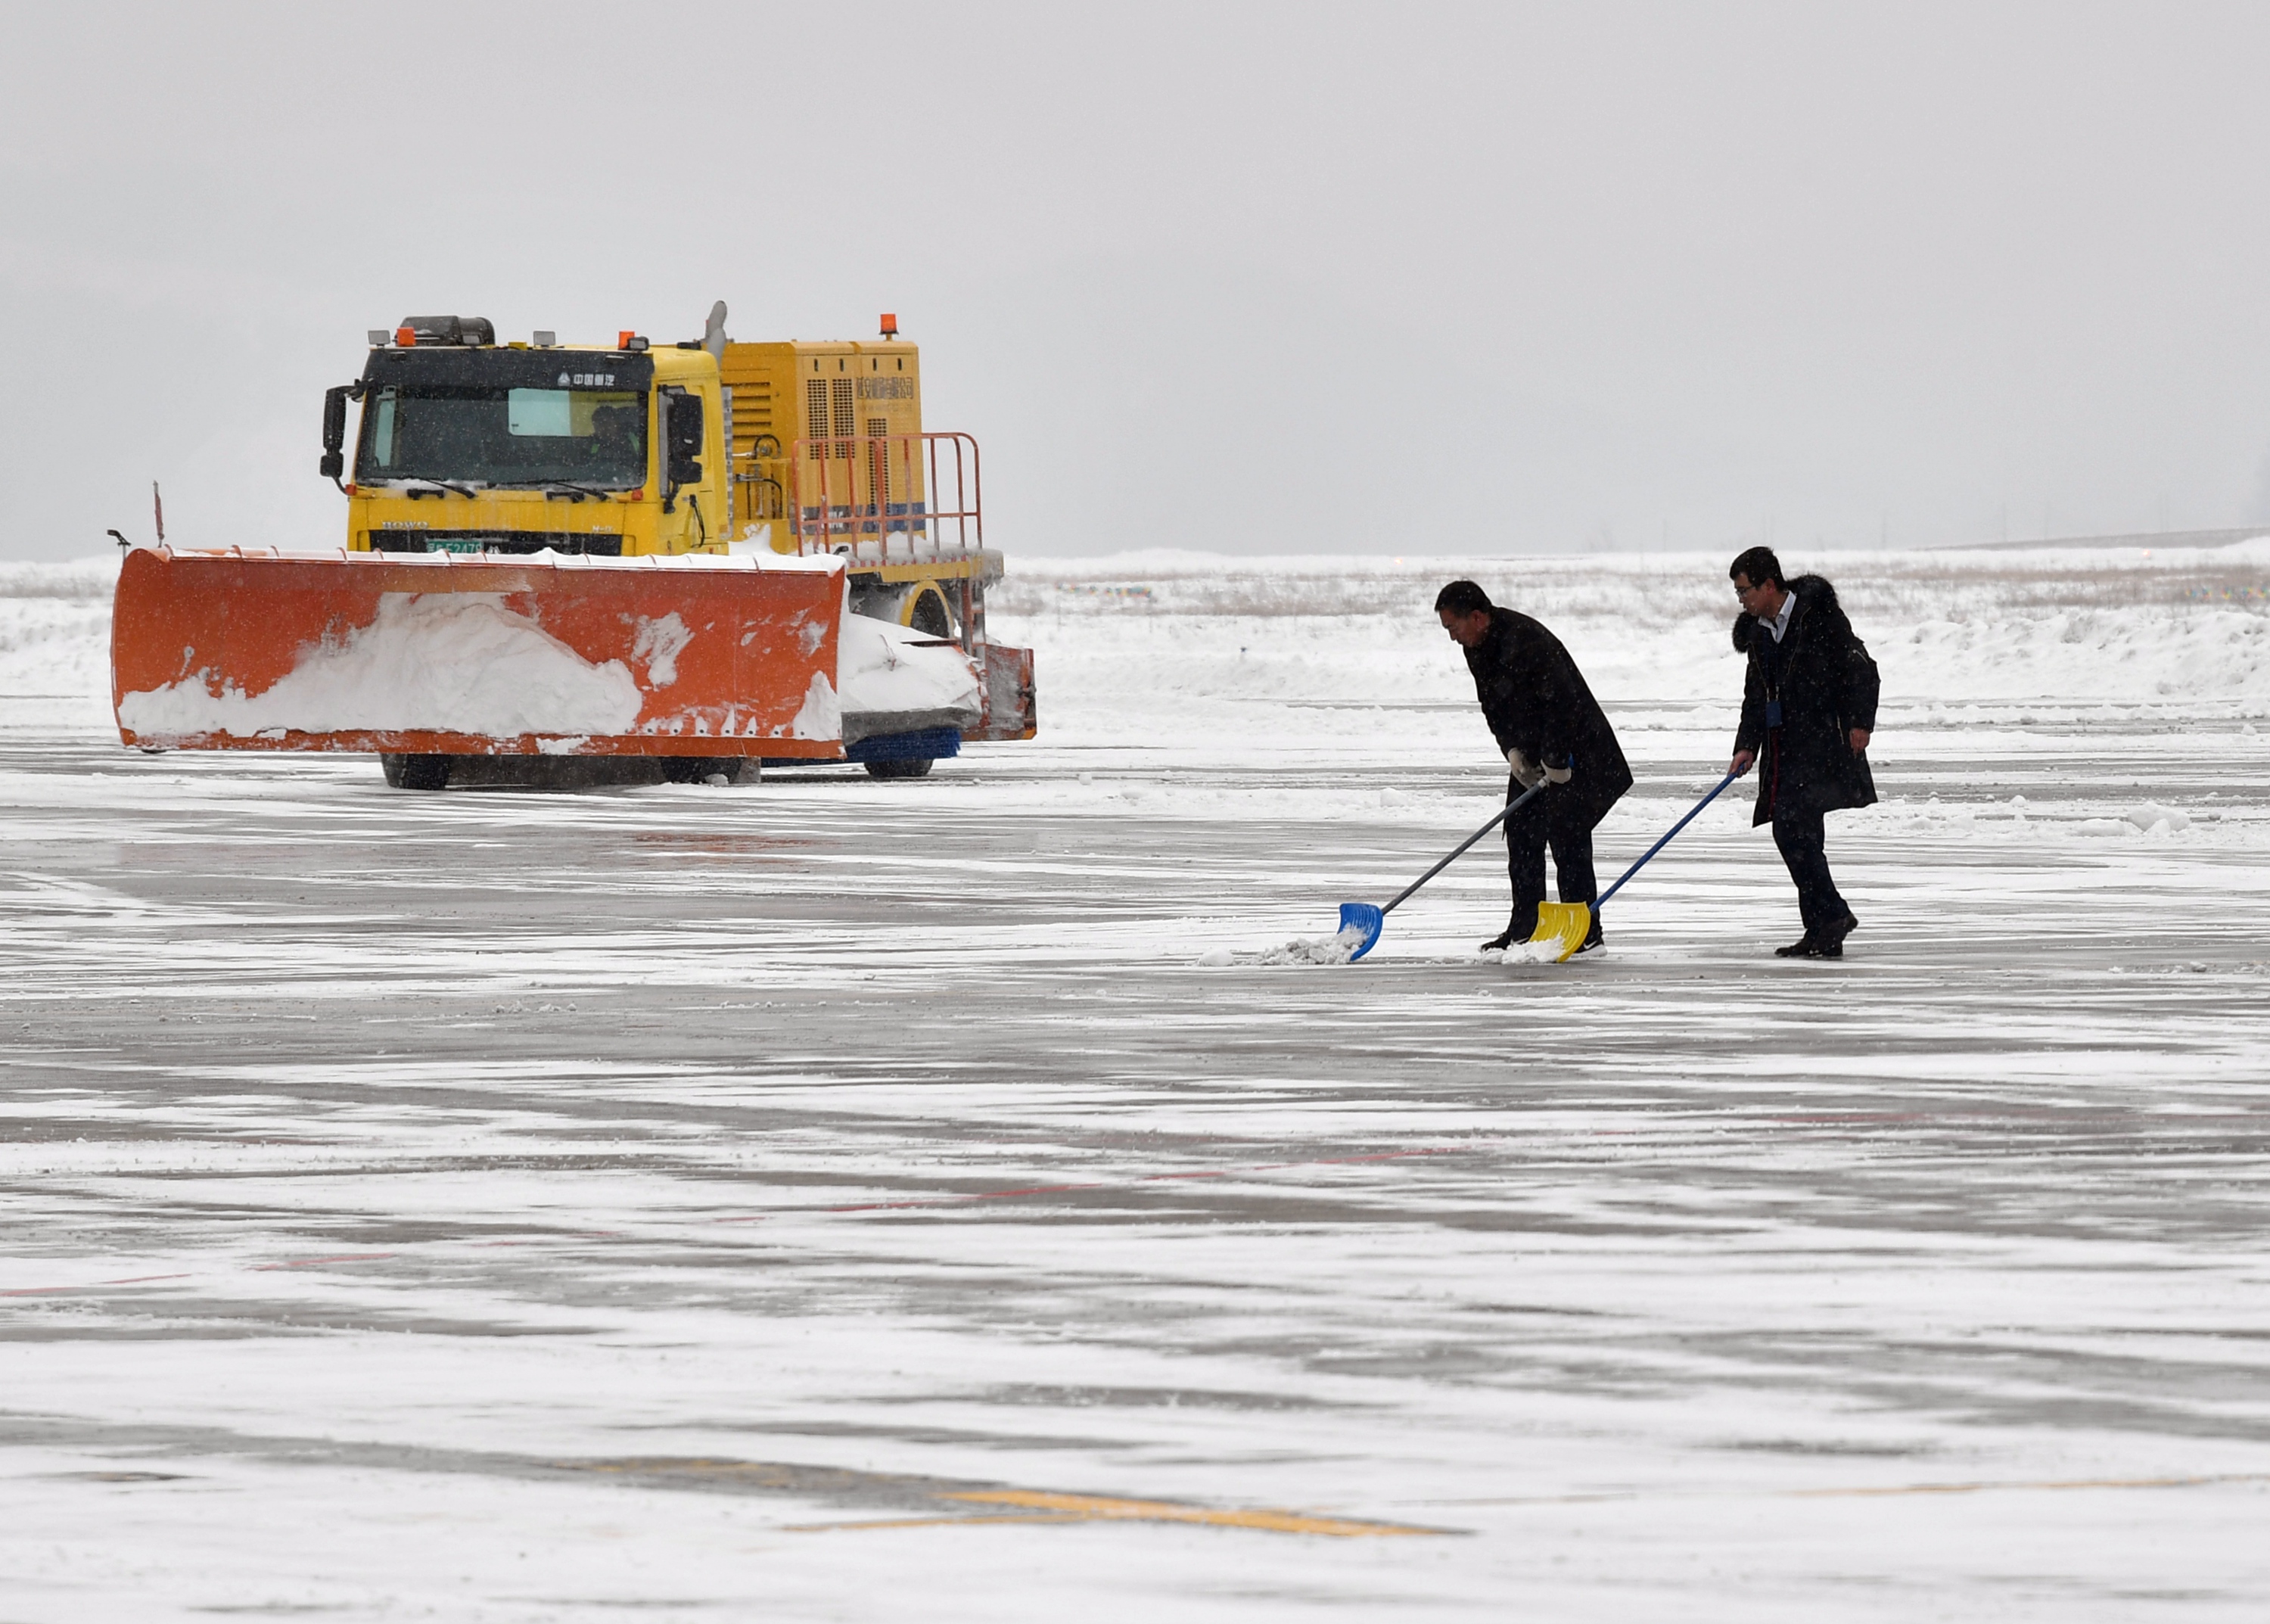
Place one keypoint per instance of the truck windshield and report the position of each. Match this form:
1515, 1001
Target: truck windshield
475, 435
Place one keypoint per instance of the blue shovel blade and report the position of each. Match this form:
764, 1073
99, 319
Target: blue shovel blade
1366, 918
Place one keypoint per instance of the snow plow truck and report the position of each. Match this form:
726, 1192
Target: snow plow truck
570, 564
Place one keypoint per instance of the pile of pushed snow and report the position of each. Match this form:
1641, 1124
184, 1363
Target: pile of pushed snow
1534, 951
2150, 819
458, 662
1338, 948
894, 681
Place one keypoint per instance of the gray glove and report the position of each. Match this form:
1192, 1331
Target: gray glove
1559, 775
1525, 772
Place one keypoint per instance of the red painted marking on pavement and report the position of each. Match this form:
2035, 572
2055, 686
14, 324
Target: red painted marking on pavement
1843, 1118
985, 1195
309, 1263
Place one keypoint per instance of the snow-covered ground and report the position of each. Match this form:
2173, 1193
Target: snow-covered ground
834, 1199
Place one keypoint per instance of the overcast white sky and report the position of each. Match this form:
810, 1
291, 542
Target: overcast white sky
1264, 278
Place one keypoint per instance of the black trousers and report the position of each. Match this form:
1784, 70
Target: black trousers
1804, 841
1553, 819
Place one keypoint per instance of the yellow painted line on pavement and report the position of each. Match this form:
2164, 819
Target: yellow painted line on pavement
1103, 1508
1014, 1505
2049, 1483
930, 1522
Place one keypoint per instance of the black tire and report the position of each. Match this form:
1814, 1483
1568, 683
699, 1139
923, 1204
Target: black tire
910, 767
417, 771
699, 769
931, 619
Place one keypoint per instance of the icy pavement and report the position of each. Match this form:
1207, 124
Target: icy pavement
833, 1199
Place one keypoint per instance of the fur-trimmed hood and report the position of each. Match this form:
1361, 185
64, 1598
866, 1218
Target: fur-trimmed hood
1813, 591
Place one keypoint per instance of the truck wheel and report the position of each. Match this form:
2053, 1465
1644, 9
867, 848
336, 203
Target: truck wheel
417, 772
916, 767
699, 769
930, 615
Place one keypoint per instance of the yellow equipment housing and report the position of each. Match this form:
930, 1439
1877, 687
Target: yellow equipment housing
799, 391
830, 456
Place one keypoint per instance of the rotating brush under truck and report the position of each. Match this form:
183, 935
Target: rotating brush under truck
570, 564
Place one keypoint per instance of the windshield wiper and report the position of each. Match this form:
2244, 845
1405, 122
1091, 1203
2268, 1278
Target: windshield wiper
414, 490
573, 491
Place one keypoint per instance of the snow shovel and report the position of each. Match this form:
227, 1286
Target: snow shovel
1566, 924
1370, 920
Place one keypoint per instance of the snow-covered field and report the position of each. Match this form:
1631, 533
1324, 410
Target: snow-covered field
824, 1199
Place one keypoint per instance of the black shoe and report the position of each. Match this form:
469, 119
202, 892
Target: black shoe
1803, 947
1833, 936
1516, 930
1594, 940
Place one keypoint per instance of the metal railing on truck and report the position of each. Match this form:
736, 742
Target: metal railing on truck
840, 489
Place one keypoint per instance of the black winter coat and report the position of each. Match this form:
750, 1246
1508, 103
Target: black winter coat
1535, 700
1827, 686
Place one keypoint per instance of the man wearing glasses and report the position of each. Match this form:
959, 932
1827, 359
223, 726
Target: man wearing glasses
1808, 706
1553, 731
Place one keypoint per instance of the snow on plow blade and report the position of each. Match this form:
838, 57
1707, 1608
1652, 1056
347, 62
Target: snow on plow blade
419, 654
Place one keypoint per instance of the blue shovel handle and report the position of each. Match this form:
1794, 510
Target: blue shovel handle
1666, 841
1457, 851
1370, 918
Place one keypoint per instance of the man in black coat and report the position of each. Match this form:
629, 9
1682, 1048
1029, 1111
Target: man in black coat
1552, 730
1808, 706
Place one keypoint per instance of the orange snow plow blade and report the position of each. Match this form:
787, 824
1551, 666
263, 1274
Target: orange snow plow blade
434, 653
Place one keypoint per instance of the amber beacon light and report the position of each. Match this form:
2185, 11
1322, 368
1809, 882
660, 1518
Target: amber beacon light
890, 326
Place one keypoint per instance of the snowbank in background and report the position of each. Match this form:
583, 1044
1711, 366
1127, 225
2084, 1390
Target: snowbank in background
1170, 637
1160, 646
2145, 652
55, 628
458, 662
887, 669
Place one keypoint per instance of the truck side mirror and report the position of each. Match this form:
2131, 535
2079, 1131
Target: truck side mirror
686, 438
681, 442
335, 430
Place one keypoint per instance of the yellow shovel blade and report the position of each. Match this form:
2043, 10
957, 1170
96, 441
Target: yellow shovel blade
1562, 925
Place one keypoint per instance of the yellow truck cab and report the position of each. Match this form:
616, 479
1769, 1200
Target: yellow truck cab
468, 446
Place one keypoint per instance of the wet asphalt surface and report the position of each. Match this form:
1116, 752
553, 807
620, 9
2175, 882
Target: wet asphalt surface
875, 1158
